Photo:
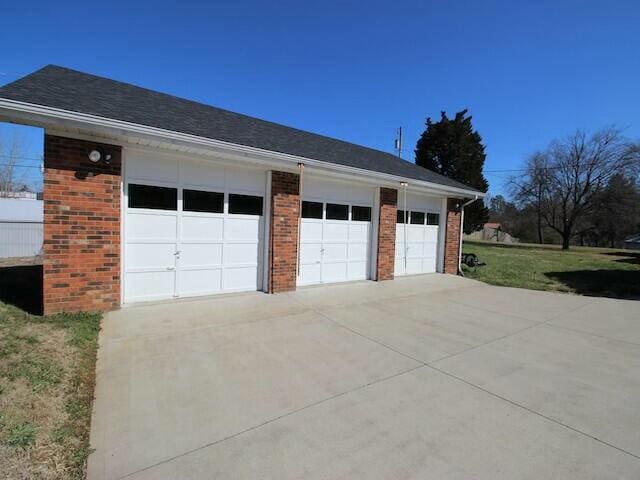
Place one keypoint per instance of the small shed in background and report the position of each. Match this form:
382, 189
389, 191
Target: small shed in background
491, 232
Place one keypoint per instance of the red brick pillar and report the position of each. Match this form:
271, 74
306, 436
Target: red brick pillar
81, 247
452, 237
283, 235
385, 264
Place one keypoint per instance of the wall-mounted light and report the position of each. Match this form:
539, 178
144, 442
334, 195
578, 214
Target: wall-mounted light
403, 184
96, 155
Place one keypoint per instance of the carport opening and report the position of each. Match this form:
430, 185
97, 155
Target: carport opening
21, 215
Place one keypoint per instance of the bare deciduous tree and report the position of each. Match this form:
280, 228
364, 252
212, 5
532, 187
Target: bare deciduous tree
529, 190
12, 176
562, 181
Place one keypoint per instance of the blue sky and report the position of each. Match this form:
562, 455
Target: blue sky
528, 71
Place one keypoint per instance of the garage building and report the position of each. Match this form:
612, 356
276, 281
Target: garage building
149, 197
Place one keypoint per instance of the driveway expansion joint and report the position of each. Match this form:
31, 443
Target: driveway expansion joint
584, 332
550, 419
431, 365
272, 420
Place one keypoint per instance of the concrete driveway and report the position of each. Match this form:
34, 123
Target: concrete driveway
424, 377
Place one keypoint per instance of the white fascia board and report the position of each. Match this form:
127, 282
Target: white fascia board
49, 117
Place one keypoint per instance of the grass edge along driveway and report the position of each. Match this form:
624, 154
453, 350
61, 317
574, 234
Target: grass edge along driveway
590, 271
47, 379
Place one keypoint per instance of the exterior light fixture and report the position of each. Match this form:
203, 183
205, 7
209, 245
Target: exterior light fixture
96, 155
403, 184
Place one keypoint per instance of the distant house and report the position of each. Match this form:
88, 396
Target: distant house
492, 232
632, 243
21, 226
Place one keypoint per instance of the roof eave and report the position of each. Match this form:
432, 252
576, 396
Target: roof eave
49, 117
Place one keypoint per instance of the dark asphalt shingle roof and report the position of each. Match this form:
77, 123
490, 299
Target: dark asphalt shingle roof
62, 88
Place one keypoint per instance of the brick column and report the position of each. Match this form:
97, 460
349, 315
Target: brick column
452, 237
283, 235
81, 247
385, 264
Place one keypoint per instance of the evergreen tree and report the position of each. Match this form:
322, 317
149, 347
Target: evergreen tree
451, 147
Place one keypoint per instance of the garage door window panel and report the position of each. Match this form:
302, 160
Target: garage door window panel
401, 216
245, 204
417, 218
360, 214
336, 211
202, 201
152, 197
433, 219
312, 210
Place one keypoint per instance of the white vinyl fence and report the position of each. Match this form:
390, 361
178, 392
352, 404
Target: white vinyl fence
20, 226
20, 239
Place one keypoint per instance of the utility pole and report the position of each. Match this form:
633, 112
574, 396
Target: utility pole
398, 142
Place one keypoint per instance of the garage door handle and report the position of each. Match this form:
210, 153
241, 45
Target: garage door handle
171, 268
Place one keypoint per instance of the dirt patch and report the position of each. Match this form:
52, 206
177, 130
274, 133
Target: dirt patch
20, 261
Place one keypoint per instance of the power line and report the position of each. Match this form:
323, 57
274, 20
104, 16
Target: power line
21, 157
537, 169
19, 165
9, 74
522, 169
506, 170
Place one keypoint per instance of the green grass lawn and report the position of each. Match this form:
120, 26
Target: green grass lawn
583, 270
47, 369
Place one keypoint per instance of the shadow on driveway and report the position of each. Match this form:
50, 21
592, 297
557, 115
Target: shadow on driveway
22, 286
623, 284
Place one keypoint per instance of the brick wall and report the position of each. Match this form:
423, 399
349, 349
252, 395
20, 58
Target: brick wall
81, 227
283, 241
452, 237
387, 234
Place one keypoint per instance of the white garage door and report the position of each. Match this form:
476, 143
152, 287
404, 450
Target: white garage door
191, 228
419, 252
417, 235
335, 233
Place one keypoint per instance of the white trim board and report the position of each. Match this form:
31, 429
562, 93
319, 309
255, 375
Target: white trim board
49, 117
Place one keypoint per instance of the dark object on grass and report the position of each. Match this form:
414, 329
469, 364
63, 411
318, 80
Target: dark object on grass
471, 260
